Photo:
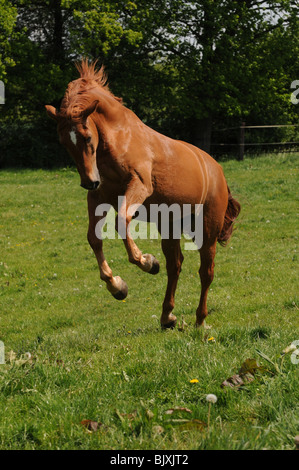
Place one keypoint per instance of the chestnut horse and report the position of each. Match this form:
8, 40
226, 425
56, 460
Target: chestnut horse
116, 154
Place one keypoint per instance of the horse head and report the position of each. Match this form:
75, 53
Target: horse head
78, 134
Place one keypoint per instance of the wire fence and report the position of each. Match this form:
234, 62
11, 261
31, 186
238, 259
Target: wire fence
241, 145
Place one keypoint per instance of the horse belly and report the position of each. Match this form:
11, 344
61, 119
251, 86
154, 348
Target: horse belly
180, 180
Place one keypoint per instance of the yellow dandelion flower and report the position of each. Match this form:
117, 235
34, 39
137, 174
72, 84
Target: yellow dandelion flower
194, 381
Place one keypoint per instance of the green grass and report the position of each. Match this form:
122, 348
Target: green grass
95, 358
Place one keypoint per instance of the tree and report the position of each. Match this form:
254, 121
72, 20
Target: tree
185, 67
49, 36
8, 14
42, 40
220, 52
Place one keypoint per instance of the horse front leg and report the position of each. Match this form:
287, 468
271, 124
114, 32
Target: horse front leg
115, 285
135, 195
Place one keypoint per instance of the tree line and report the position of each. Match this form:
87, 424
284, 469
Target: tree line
187, 68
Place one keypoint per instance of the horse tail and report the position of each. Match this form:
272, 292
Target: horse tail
232, 212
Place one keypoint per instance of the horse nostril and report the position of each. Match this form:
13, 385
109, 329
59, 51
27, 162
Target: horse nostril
96, 184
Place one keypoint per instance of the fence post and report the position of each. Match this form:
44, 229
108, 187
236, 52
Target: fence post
242, 141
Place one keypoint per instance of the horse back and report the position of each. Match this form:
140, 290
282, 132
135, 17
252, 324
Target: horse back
183, 173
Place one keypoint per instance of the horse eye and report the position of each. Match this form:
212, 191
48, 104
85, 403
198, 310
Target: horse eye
88, 140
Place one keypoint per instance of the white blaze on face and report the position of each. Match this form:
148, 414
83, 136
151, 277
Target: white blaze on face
73, 136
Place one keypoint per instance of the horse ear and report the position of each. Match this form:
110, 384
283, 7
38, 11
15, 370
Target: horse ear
90, 109
52, 112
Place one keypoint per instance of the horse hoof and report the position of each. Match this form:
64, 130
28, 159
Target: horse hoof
202, 323
155, 267
150, 264
122, 293
169, 325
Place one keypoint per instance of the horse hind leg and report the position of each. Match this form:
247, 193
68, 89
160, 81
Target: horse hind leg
174, 259
206, 272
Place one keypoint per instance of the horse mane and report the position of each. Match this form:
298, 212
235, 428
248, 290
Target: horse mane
89, 71
77, 97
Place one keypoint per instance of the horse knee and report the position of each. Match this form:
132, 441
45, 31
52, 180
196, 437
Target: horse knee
206, 273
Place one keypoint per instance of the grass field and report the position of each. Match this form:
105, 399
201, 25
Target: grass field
94, 358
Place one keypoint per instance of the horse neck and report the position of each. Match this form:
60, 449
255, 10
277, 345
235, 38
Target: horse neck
111, 123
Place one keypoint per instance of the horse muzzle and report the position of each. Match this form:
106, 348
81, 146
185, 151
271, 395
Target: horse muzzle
91, 186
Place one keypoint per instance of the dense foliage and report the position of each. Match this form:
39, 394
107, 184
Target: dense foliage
186, 68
